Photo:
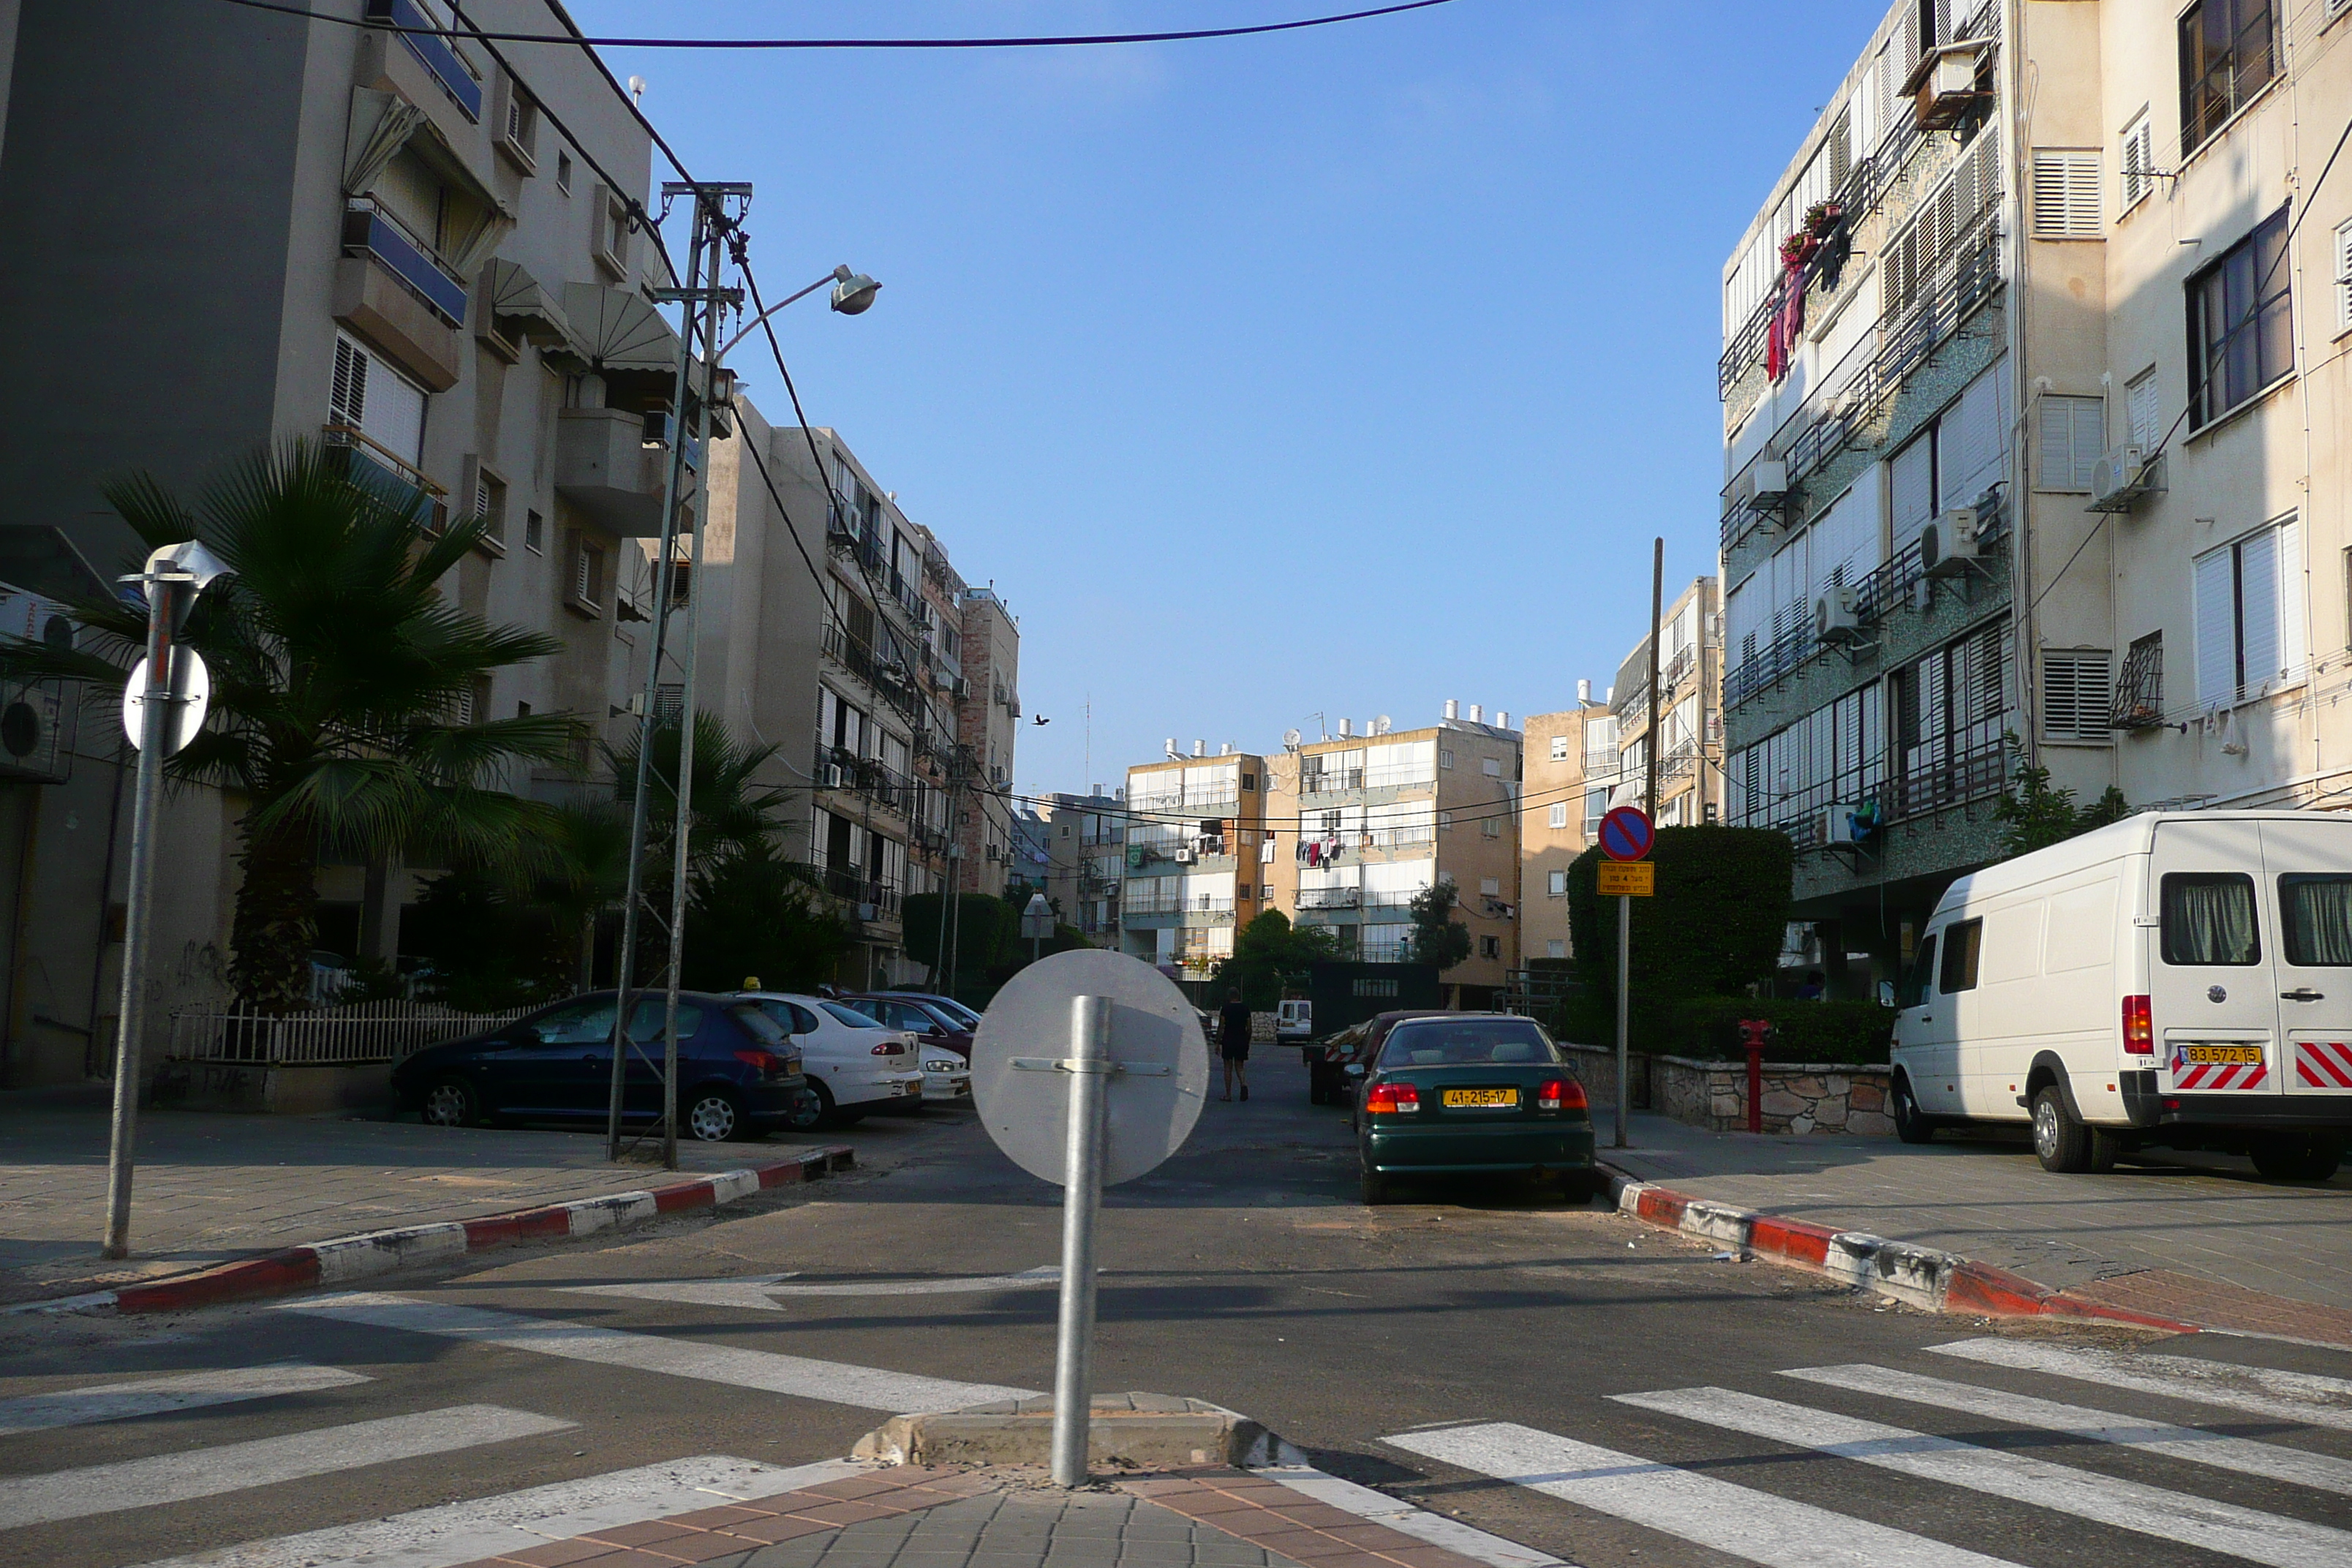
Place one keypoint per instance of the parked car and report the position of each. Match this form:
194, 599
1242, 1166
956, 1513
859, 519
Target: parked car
2179, 980
947, 1004
738, 1075
1334, 1061
1483, 1094
854, 1064
927, 1020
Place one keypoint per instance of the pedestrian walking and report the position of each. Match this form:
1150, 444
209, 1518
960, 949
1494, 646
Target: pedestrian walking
1234, 1041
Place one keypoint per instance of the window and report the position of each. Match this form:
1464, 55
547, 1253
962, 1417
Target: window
2229, 52
1596, 807
2240, 326
2066, 195
1491, 767
1555, 947
2137, 161
1962, 941
1445, 821
2140, 412
1444, 759
2209, 919
2075, 692
1491, 826
1491, 887
2074, 438
2139, 695
2344, 277
2316, 913
369, 396
564, 173
1915, 980
2249, 615
1556, 885
1559, 742
1249, 781
1559, 814
489, 500
1490, 947
534, 533
1265, 889
587, 574
520, 125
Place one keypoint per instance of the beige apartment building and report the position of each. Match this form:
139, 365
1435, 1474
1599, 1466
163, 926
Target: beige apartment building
1085, 841
1571, 765
1195, 857
1689, 713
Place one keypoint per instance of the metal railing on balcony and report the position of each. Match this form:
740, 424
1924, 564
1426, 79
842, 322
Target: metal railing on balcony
1329, 780
371, 231
1330, 898
888, 679
863, 893
839, 769
422, 33
1962, 775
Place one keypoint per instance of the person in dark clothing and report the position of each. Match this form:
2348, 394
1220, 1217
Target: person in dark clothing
1234, 1041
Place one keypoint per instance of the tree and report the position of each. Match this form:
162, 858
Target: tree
2034, 816
340, 669
754, 913
486, 946
1437, 937
1266, 950
733, 810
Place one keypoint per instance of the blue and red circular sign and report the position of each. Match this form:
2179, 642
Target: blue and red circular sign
1626, 834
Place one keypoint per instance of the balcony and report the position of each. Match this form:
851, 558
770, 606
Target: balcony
605, 466
1330, 898
887, 679
393, 291
838, 769
380, 470
869, 901
437, 55
1329, 780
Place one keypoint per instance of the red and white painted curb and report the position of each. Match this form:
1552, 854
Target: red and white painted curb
1921, 1276
348, 1257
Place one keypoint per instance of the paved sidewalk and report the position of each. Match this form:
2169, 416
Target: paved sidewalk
212, 1187
2185, 1236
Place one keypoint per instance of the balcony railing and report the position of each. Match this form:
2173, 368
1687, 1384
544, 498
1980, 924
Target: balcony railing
846, 533
1330, 781
888, 679
369, 231
838, 768
1330, 898
447, 66
854, 887
1963, 775
377, 469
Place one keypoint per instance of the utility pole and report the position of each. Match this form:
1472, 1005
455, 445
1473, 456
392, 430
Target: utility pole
1657, 608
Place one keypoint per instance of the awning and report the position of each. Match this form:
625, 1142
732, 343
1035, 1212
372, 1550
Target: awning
382, 124
613, 328
513, 294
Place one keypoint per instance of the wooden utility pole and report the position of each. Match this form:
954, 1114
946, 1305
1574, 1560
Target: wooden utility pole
1657, 608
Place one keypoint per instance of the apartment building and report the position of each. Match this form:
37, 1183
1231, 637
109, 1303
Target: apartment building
1086, 860
988, 725
1369, 820
1196, 854
1571, 765
316, 230
2018, 394
1689, 713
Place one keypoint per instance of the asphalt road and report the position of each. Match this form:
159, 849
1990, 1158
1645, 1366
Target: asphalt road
1426, 1349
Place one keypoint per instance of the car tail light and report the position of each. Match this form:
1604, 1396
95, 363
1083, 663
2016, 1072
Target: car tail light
769, 1064
1560, 1094
890, 1048
2139, 1027
1391, 1098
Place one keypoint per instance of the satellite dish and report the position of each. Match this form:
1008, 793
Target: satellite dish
1290, 739
1380, 725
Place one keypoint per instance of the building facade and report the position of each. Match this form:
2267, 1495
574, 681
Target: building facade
1086, 860
1195, 832
1563, 807
1689, 713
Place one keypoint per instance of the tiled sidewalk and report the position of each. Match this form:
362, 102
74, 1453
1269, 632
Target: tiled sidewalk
916, 1518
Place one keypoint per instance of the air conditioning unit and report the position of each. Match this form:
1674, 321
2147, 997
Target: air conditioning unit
836, 777
1833, 616
868, 912
1185, 857
2121, 477
1943, 86
1948, 546
962, 687
1837, 825
1768, 483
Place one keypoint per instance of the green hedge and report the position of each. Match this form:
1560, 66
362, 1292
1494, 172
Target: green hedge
1707, 1027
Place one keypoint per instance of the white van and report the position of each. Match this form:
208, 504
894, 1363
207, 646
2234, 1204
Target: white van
1294, 1022
2177, 980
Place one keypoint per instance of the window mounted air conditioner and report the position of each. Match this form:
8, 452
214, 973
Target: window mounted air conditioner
1837, 825
836, 777
1185, 857
1834, 619
1767, 484
2121, 477
1949, 546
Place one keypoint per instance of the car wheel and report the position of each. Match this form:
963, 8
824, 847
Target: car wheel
451, 1102
716, 1118
1372, 1186
1911, 1123
809, 1111
2061, 1143
2297, 1157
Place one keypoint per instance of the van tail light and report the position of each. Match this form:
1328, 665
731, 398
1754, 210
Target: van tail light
2139, 1027
1560, 1094
1392, 1097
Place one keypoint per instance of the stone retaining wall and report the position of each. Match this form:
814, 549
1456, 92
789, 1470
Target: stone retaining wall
1798, 1097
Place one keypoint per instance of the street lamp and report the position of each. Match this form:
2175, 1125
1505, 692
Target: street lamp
853, 295
1037, 924
165, 692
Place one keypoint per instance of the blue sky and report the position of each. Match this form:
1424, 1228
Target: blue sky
1338, 372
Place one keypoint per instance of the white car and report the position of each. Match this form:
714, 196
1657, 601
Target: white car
855, 1064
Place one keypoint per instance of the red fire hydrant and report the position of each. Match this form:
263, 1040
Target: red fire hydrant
1753, 1033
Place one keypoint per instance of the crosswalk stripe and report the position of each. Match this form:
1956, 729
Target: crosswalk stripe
159, 1396
2292, 1395
510, 1523
265, 1461
835, 1383
2268, 1461
2245, 1532
1747, 1523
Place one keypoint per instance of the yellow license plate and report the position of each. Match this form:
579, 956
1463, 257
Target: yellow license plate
1457, 1099
2246, 1056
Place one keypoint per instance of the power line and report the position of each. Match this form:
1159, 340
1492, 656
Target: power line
1035, 42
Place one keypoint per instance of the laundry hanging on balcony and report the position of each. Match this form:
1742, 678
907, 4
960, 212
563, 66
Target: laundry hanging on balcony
1788, 329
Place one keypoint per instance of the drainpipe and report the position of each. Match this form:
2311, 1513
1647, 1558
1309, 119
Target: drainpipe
2011, 125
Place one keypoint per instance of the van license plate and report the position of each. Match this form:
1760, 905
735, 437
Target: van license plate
2222, 1055
1459, 1098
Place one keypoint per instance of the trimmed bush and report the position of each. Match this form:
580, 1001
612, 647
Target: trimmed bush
1856, 1033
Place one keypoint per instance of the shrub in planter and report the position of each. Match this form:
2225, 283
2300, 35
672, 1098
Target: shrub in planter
1849, 1032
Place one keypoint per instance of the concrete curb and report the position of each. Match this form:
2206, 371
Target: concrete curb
1921, 1276
1136, 1431
348, 1257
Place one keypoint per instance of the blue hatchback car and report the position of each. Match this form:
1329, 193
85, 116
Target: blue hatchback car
738, 1075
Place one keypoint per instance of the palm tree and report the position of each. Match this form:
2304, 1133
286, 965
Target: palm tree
339, 674
733, 811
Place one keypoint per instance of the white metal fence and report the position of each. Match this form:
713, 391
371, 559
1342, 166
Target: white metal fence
361, 1032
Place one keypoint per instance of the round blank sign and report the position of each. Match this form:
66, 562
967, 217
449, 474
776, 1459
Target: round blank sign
1147, 1117
187, 715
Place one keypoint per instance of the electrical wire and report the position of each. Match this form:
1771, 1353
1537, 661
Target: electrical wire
1036, 42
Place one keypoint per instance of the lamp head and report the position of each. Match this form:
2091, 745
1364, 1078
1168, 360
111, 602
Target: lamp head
853, 293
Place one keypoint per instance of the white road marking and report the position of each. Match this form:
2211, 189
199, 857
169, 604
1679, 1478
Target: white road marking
758, 1292
236, 1467
1381, 1509
2269, 1461
2225, 1528
2292, 1395
834, 1382
1756, 1526
158, 1396
515, 1521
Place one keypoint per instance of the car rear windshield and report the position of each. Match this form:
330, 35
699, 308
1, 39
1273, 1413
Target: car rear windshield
1468, 1042
851, 1015
2317, 910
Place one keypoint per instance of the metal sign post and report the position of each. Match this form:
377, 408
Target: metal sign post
1123, 1099
1626, 837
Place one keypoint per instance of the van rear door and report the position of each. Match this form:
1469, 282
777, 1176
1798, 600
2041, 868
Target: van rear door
2214, 989
2310, 865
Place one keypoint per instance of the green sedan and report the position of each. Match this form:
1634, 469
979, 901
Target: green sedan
1472, 1094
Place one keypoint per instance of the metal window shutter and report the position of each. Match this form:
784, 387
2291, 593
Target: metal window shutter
2217, 628
2066, 195
2139, 161
2293, 647
2258, 607
347, 400
2075, 695
2073, 435
2143, 411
